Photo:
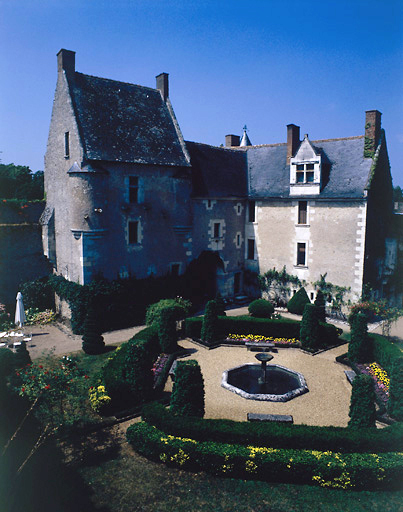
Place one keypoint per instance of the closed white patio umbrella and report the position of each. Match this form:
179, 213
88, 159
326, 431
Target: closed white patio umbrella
20, 318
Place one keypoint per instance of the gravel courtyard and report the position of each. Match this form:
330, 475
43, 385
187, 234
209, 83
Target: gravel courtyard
326, 403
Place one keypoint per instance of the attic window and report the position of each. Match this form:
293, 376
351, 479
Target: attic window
305, 173
251, 211
67, 145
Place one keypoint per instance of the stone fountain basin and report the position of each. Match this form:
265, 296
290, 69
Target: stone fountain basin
282, 385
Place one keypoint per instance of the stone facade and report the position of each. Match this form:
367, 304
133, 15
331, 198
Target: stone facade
126, 195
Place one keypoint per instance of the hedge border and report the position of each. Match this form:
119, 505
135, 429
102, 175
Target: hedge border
326, 469
277, 435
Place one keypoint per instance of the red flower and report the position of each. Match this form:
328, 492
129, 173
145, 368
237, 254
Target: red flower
17, 373
86, 377
40, 366
47, 386
23, 389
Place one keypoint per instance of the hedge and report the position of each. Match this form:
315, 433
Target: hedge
278, 328
277, 435
384, 352
127, 374
327, 469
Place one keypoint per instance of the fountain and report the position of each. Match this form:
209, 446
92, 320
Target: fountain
273, 383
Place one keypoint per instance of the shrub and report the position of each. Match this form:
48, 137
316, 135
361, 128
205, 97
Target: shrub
309, 333
209, 331
362, 406
166, 322
359, 347
188, 390
261, 308
298, 301
276, 435
93, 341
327, 469
395, 403
321, 305
38, 294
5, 319
180, 309
127, 374
21, 356
384, 352
284, 328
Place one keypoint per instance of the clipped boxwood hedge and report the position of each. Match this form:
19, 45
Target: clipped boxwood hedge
278, 328
327, 469
384, 352
277, 435
127, 374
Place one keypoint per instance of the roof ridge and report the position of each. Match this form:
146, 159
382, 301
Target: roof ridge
340, 138
232, 148
117, 81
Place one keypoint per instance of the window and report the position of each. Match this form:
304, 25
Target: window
217, 230
133, 232
302, 212
238, 240
67, 145
301, 254
133, 189
209, 203
251, 249
251, 211
312, 296
305, 173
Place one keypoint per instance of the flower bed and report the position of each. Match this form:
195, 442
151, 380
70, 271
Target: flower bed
159, 367
380, 378
283, 342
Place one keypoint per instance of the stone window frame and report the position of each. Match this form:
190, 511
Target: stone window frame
249, 248
301, 264
301, 212
67, 145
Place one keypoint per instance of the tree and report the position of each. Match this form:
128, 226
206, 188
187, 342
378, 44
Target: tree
395, 402
298, 301
358, 348
209, 330
188, 390
397, 194
362, 405
310, 332
93, 341
320, 303
18, 182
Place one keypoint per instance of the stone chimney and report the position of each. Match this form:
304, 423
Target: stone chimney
372, 132
163, 85
66, 60
231, 141
292, 140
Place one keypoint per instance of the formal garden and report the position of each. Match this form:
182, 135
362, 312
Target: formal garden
53, 403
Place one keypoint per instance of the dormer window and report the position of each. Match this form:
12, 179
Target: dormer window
305, 173
305, 170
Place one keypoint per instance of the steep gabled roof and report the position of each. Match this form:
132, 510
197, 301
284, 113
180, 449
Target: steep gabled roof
344, 175
217, 172
124, 122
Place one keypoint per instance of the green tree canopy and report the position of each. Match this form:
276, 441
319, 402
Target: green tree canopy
19, 182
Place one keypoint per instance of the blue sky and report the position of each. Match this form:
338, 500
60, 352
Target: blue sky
268, 63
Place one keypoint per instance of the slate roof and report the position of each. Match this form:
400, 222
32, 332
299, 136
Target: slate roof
346, 168
217, 172
124, 122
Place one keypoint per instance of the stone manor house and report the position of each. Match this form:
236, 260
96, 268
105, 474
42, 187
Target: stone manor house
127, 195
